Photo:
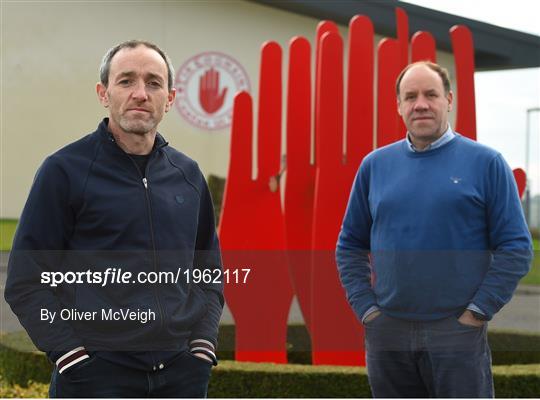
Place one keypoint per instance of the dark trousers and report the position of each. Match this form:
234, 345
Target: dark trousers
442, 358
187, 376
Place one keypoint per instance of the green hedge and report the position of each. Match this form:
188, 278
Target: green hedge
31, 390
216, 185
22, 367
235, 379
507, 347
25, 373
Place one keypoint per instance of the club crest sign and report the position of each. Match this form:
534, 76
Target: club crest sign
205, 88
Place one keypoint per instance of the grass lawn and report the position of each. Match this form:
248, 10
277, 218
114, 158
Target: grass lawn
533, 277
7, 230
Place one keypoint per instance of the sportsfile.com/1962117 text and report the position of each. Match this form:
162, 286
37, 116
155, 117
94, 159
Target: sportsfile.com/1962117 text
113, 275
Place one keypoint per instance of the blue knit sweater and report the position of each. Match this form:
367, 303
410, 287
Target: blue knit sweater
440, 229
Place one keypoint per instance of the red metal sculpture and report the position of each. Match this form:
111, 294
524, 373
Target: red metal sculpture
255, 232
300, 178
251, 227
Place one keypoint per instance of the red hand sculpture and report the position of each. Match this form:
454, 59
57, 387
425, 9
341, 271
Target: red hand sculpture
251, 228
336, 334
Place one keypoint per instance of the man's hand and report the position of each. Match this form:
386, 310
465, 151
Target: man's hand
467, 318
372, 316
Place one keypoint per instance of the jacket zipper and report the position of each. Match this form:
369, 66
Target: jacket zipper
152, 237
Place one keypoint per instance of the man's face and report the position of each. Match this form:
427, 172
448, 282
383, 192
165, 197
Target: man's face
423, 105
137, 94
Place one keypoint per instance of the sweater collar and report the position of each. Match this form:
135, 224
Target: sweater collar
445, 138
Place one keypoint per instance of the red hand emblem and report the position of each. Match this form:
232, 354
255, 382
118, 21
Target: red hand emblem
209, 97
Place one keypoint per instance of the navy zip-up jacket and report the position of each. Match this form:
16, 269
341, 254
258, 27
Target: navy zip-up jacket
89, 208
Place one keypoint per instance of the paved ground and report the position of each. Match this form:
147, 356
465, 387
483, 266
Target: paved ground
522, 313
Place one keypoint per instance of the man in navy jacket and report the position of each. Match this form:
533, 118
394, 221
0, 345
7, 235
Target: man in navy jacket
440, 217
107, 265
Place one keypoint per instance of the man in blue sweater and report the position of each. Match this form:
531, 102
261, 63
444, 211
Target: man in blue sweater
433, 244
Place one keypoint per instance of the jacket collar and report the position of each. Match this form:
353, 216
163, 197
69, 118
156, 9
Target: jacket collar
105, 134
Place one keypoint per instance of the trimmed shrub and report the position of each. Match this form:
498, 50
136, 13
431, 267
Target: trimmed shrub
216, 186
507, 347
235, 379
21, 367
25, 373
32, 390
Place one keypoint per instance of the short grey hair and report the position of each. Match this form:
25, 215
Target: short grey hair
105, 67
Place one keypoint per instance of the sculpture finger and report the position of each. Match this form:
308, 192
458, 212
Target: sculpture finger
423, 47
462, 45
269, 116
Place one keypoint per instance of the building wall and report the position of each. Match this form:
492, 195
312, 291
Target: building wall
51, 53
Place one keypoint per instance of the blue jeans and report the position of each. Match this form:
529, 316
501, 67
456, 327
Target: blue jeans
186, 376
441, 358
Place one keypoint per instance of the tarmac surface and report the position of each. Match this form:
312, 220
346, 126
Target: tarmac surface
521, 314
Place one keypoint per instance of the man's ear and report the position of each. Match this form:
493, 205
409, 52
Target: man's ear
398, 103
101, 91
450, 98
170, 99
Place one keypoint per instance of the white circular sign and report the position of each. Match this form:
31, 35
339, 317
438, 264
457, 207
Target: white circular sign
205, 88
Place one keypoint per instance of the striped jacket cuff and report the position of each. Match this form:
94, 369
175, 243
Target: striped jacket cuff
204, 347
71, 358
